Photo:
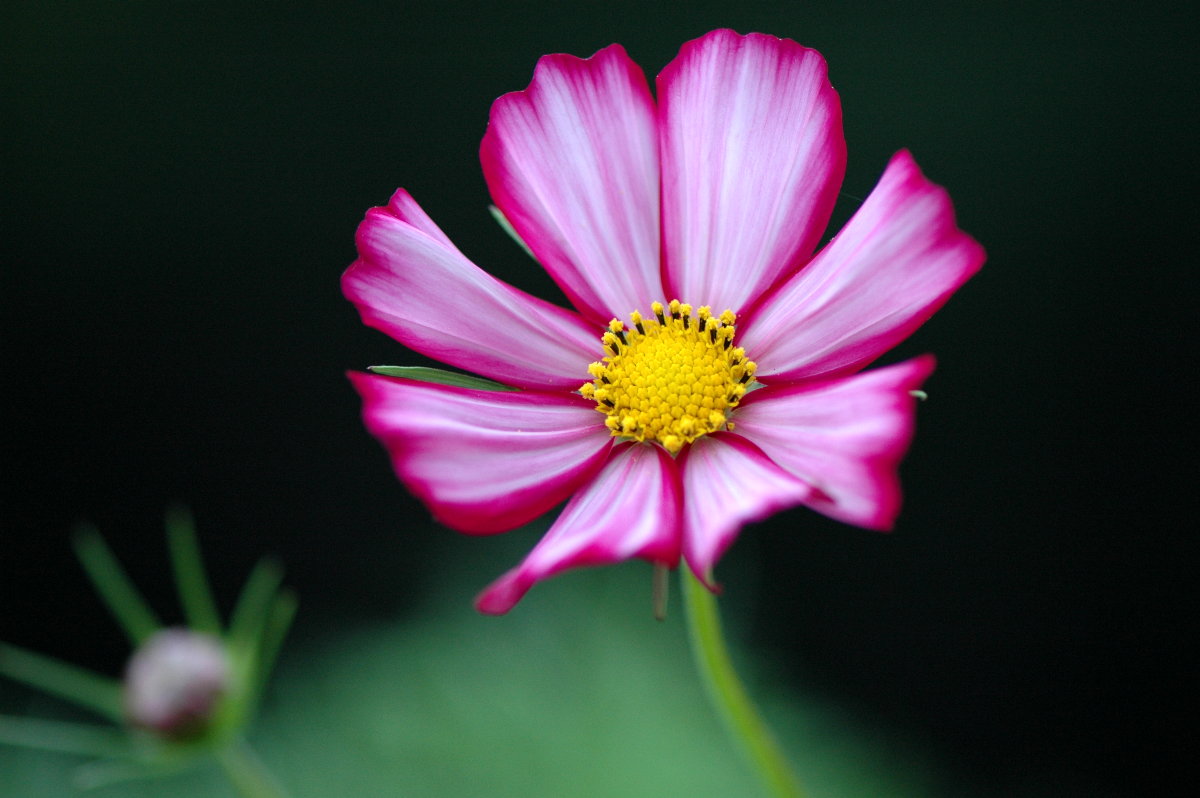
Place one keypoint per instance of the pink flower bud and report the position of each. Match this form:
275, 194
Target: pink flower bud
174, 682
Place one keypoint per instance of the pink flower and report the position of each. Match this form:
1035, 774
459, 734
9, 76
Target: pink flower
636, 407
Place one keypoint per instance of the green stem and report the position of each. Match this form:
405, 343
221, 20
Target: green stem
108, 577
727, 694
247, 773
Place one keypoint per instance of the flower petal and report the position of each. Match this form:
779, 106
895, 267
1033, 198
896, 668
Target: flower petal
572, 161
631, 509
484, 461
845, 437
728, 482
753, 156
406, 209
410, 282
893, 265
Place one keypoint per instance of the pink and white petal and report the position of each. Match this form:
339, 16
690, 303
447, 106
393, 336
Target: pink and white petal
631, 509
891, 267
410, 282
572, 161
753, 156
484, 461
405, 208
845, 437
728, 482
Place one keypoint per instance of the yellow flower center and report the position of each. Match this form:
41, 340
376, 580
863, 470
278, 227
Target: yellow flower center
670, 379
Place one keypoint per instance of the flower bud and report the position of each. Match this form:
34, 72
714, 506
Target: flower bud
174, 682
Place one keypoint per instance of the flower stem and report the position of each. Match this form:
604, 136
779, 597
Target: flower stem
247, 773
727, 694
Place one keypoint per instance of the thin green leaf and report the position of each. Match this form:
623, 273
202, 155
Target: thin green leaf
64, 737
199, 607
254, 606
69, 682
507, 227
279, 620
95, 775
127, 605
440, 376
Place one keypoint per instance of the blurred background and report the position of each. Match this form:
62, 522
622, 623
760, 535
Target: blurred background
180, 186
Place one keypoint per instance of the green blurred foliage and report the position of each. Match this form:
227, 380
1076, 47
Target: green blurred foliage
577, 692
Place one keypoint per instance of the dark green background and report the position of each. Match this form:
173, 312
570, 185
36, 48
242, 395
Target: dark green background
180, 188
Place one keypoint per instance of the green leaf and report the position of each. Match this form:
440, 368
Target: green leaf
69, 682
64, 737
123, 600
253, 610
107, 773
199, 607
279, 620
440, 377
506, 225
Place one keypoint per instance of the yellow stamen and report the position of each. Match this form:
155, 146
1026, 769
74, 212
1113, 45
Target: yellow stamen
672, 378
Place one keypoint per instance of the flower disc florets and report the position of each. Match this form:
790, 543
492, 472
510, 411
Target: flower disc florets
670, 379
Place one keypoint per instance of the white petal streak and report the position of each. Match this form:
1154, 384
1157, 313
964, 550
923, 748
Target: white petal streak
483, 461
410, 282
728, 482
893, 265
753, 155
405, 208
844, 436
572, 161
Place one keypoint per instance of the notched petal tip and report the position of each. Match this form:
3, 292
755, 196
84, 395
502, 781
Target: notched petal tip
412, 284
844, 436
892, 266
909, 174
709, 580
630, 510
753, 156
729, 482
572, 163
728, 37
503, 594
483, 461
569, 61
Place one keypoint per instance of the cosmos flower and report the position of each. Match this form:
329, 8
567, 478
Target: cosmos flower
709, 373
